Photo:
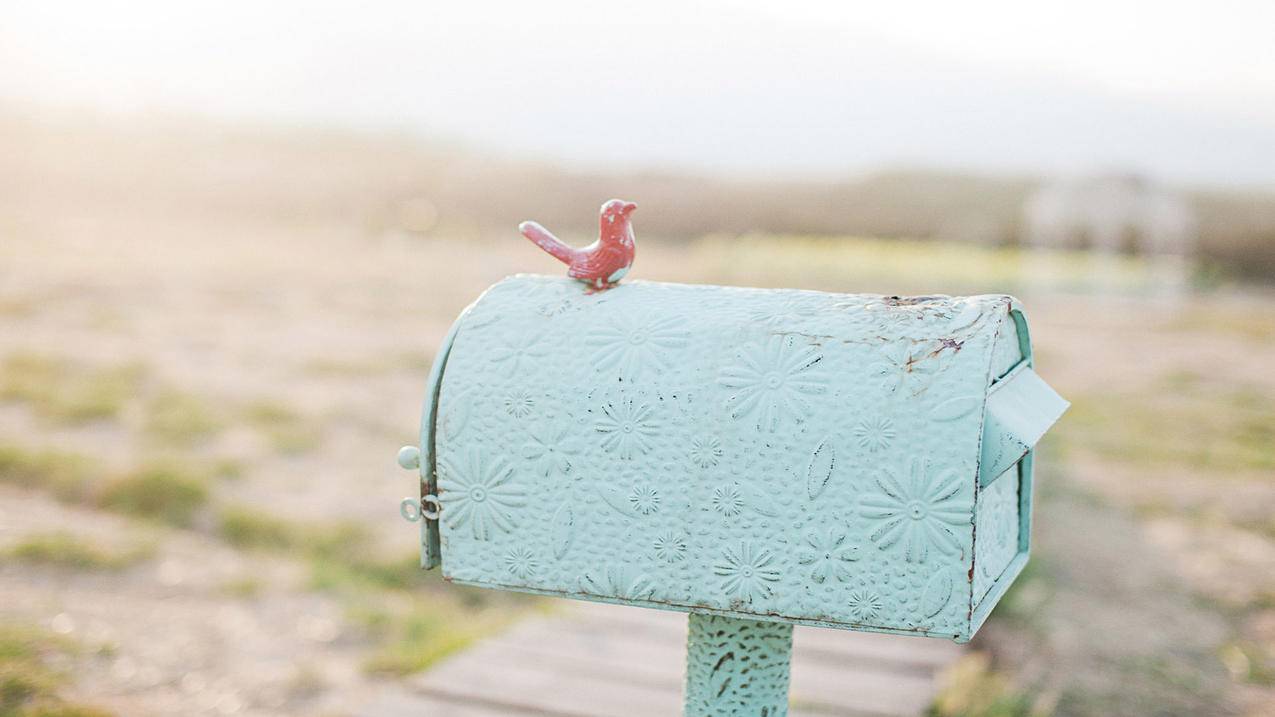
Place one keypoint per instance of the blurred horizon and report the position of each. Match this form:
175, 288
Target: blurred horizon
1180, 93
391, 182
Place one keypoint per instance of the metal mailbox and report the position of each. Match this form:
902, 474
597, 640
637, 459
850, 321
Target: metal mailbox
852, 461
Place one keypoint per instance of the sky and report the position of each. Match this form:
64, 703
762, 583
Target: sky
1182, 91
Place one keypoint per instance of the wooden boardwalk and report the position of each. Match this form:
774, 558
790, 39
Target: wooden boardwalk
594, 660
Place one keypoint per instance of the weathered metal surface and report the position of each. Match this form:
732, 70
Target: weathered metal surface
736, 667
790, 456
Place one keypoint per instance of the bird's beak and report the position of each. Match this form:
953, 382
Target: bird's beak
628, 207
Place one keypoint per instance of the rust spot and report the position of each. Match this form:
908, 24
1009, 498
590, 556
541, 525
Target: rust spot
914, 360
909, 300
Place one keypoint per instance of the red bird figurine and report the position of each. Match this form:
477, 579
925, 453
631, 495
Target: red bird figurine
605, 261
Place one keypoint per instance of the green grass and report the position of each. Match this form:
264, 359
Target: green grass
414, 361
352, 570
411, 629
381, 594
227, 468
341, 368
67, 550
1251, 324
305, 683
29, 684
342, 555
1028, 597
971, 688
287, 431
28, 376
163, 493
65, 475
166, 492
66, 392
243, 588
415, 638
248, 528
841, 263
1197, 426
180, 419
1249, 662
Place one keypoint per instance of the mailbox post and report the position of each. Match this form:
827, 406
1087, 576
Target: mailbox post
736, 666
756, 458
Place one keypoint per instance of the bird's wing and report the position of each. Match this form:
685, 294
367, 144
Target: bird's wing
598, 263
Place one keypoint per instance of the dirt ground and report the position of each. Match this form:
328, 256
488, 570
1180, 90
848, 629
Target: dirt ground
271, 348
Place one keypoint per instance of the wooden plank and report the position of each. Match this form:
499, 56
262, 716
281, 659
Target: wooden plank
652, 662
923, 652
409, 704
660, 664
832, 689
609, 661
859, 690
916, 652
490, 674
589, 654
847, 650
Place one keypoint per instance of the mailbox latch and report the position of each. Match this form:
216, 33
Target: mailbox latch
423, 510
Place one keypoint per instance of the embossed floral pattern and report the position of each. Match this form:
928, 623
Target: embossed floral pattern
645, 499
921, 512
554, 298
454, 416
728, 500
874, 434
996, 541
1000, 510
620, 581
627, 427
853, 304
864, 604
785, 314
907, 366
519, 350
522, 563
705, 451
633, 347
479, 494
772, 382
550, 448
747, 570
519, 403
670, 546
828, 555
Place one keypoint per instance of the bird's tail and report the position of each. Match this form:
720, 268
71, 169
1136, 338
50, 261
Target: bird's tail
550, 243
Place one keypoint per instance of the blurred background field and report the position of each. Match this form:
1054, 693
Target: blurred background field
216, 340
215, 329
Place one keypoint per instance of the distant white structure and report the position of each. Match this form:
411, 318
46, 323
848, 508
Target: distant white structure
1113, 215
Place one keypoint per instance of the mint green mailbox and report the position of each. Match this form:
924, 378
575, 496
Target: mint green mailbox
756, 458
